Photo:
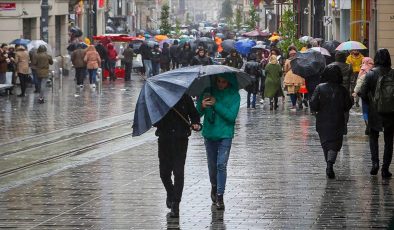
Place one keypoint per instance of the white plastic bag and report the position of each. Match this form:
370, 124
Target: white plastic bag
137, 61
8, 78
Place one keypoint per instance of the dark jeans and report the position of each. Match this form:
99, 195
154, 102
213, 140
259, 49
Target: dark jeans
253, 95
388, 146
24, 79
128, 67
172, 156
155, 68
35, 80
80, 74
175, 63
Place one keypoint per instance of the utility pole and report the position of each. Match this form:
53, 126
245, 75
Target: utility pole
44, 20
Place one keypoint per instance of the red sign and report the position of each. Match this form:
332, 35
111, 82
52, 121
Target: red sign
101, 4
7, 6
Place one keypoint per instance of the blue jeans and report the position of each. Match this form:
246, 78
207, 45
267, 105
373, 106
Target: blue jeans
92, 75
218, 153
253, 95
155, 68
148, 68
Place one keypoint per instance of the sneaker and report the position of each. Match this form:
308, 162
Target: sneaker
81, 87
41, 100
262, 101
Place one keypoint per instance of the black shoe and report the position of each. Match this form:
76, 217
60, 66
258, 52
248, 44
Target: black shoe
375, 169
20, 95
330, 171
386, 173
174, 209
168, 202
41, 100
219, 202
367, 131
213, 194
305, 102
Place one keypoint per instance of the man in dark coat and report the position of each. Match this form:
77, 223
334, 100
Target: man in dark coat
331, 100
234, 60
173, 131
201, 58
186, 55
378, 122
128, 54
253, 68
174, 54
146, 54
103, 55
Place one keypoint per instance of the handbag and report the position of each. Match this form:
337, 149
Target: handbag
137, 61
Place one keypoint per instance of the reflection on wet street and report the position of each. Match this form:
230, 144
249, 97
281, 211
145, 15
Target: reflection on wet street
109, 180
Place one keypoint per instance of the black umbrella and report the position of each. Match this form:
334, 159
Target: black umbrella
228, 45
161, 92
205, 41
331, 46
308, 63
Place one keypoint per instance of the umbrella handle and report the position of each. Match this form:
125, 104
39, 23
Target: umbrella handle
199, 127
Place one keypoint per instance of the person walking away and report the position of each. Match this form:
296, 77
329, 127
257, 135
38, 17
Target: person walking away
264, 62
291, 81
165, 58
273, 89
77, 59
22, 60
202, 58
219, 105
174, 54
32, 55
366, 66
355, 59
378, 91
4, 60
253, 68
128, 54
93, 61
347, 71
12, 68
100, 48
42, 60
186, 55
330, 101
156, 53
234, 60
112, 58
173, 129
146, 54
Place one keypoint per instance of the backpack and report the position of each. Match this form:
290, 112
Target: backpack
384, 93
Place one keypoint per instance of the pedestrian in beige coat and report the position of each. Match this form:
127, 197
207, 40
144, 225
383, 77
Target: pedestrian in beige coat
22, 60
42, 60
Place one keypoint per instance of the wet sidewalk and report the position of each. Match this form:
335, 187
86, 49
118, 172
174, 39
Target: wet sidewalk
276, 175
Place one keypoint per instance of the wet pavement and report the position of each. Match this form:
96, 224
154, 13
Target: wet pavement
72, 164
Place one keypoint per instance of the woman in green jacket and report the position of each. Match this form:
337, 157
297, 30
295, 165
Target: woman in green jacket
220, 105
273, 72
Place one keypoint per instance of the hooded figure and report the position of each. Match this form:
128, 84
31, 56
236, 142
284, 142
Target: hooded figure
42, 60
219, 105
186, 55
273, 90
201, 58
331, 101
234, 60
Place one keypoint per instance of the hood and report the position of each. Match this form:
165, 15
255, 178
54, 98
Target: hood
91, 48
230, 77
332, 74
110, 46
41, 49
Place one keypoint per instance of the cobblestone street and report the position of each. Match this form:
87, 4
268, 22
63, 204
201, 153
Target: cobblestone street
71, 163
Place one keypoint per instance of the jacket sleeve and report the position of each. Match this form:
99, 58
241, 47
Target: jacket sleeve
348, 100
50, 60
240, 62
192, 111
315, 100
366, 87
228, 113
199, 108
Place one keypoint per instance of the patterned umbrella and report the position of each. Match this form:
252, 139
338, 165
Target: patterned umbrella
351, 45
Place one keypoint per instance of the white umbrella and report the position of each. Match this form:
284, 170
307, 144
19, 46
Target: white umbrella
305, 39
34, 44
322, 50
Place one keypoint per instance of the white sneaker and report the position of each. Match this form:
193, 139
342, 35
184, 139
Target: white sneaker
262, 101
81, 87
93, 86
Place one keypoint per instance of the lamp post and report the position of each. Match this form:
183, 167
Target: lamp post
44, 20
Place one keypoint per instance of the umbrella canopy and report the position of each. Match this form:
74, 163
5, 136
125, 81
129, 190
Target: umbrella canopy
244, 46
351, 45
259, 47
256, 33
275, 37
20, 41
152, 43
308, 63
322, 51
305, 39
161, 92
220, 35
331, 46
160, 37
204, 40
34, 44
228, 45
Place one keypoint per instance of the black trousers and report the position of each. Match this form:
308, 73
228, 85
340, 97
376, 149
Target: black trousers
128, 67
24, 79
80, 74
388, 146
172, 157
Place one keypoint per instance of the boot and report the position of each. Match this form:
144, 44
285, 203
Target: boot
375, 169
276, 104
271, 105
168, 201
366, 128
174, 209
386, 173
213, 194
219, 202
331, 158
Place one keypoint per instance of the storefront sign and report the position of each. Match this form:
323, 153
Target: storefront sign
7, 6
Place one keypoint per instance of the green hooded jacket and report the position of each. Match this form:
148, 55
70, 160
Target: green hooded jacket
219, 120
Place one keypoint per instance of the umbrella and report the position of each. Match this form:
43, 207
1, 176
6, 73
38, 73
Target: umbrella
220, 35
256, 33
331, 46
305, 39
351, 45
228, 45
308, 63
244, 46
160, 37
322, 51
34, 44
20, 42
205, 40
273, 38
152, 43
161, 92
259, 47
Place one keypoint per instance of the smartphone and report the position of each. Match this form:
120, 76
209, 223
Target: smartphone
207, 95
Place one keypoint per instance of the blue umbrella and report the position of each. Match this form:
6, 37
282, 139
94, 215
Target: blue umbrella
244, 46
20, 41
161, 92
